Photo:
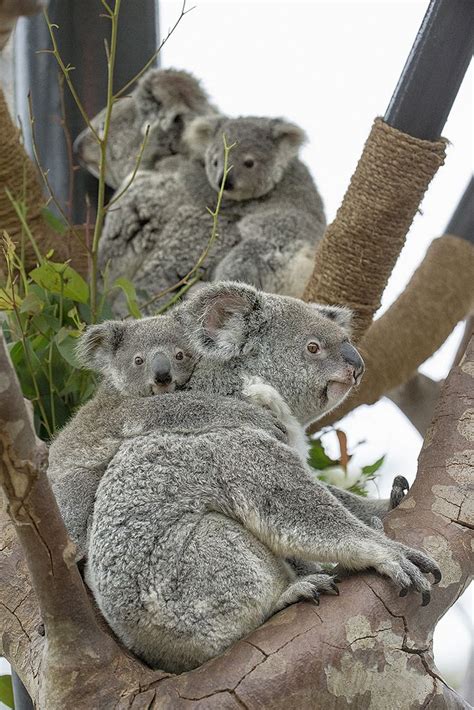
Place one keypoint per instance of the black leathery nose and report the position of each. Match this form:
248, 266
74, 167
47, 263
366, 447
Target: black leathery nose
352, 357
161, 368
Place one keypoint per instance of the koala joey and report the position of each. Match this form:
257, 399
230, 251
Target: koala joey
137, 360
166, 100
190, 532
270, 220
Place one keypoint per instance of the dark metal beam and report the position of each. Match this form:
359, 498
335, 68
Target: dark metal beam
461, 223
80, 40
434, 70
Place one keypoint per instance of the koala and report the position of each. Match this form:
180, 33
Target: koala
137, 361
190, 533
166, 100
270, 220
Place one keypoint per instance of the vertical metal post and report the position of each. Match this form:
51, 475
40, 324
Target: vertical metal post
434, 70
80, 38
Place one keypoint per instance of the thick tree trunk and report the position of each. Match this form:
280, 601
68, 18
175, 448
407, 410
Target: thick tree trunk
367, 648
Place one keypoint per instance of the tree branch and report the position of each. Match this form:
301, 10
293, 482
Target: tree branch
352, 650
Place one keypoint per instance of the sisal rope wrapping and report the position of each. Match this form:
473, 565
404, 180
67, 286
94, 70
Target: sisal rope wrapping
19, 175
359, 249
439, 295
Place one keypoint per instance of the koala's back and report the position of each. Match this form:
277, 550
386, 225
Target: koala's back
174, 574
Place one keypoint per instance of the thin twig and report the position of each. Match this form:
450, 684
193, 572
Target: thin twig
138, 161
214, 233
155, 54
24, 224
44, 175
65, 70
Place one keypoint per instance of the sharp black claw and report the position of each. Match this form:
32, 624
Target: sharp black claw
403, 592
425, 598
334, 588
437, 576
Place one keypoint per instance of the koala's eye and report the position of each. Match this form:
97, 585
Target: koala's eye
214, 162
178, 120
179, 355
138, 360
313, 347
249, 163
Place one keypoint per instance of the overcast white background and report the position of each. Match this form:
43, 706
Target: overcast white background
331, 67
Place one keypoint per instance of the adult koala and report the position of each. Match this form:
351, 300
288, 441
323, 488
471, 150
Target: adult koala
166, 100
190, 533
270, 220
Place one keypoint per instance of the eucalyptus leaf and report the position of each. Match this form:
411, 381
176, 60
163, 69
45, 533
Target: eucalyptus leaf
130, 295
61, 278
6, 691
373, 467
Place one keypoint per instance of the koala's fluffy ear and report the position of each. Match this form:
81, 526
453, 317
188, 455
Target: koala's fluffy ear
338, 314
288, 136
222, 321
98, 343
200, 132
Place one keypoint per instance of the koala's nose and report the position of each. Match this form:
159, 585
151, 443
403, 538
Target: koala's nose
161, 369
352, 357
229, 182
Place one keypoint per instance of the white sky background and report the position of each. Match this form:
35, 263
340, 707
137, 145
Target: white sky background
331, 67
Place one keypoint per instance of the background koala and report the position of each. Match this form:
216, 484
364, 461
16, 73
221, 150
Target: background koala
189, 532
270, 220
166, 100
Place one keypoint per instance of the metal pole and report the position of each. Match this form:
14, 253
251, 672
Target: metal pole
461, 223
80, 39
434, 70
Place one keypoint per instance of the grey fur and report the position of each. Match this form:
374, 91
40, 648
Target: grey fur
269, 223
124, 405
189, 532
166, 100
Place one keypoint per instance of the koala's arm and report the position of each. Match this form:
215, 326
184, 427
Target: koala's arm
366, 509
274, 497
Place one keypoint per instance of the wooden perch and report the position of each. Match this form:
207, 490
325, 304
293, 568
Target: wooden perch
351, 650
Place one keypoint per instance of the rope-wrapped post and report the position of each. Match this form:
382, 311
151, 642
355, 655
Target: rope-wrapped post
20, 177
359, 249
439, 295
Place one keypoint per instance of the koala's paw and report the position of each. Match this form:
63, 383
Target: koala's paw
405, 565
307, 589
400, 486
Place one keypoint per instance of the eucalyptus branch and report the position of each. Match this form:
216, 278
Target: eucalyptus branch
44, 175
65, 70
101, 210
214, 235
155, 54
19, 212
138, 161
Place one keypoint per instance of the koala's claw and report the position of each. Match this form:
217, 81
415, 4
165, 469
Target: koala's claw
400, 486
407, 569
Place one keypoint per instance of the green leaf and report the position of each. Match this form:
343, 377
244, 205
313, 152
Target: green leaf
130, 295
61, 278
372, 468
53, 220
32, 304
66, 344
318, 458
6, 691
358, 490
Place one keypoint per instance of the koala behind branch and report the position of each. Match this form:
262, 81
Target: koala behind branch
166, 100
190, 533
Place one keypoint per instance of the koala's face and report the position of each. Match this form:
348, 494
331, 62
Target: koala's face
139, 358
302, 350
263, 149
